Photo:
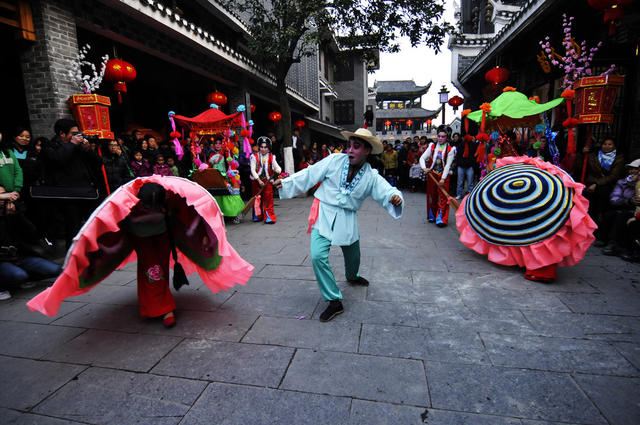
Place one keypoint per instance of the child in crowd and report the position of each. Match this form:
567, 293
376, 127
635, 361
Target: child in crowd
140, 167
161, 168
171, 162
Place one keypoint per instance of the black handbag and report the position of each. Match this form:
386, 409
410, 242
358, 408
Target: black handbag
63, 192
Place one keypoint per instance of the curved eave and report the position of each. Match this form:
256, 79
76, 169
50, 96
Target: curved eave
519, 24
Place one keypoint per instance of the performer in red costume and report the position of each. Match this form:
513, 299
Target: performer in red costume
158, 220
263, 168
437, 160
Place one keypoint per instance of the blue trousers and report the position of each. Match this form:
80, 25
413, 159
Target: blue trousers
464, 173
320, 247
25, 269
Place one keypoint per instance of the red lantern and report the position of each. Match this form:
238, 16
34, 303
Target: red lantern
252, 107
455, 102
429, 122
387, 123
409, 123
217, 98
497, 75
275, 116
299, 123
119, 73
613, 11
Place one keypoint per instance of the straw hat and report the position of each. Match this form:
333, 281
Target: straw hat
364, 134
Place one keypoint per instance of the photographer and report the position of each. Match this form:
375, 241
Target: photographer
70, 175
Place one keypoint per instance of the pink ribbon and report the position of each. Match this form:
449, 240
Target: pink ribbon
256, 206
176, 142
313, 213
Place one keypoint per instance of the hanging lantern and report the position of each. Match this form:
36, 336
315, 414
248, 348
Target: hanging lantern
217, 98
497, 75
252, 108
613, 11
299, 123
119, 73
275, 116
409, 123
455, 102
387, 123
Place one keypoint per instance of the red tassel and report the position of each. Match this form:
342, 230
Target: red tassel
480, 153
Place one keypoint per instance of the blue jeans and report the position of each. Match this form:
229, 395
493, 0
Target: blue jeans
464, 173
25, 269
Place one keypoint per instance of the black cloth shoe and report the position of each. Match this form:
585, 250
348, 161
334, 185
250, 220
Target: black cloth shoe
359, 281
610, 249
599, 243
335, 307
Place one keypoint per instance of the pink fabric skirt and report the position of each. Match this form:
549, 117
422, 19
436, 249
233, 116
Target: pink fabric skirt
232, 269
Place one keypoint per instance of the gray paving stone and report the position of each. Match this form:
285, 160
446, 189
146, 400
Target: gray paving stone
617, 398
472, 320
568, 283
417, 293
588, 326
620, 304
556, 354
12, 417
115, 349
374, 312
16, 310
262, 285
201, 298
250, 364
289, 272
33, 340
222, 325
272, 305
630, 351
419, 343
333, 336
509, 392
103, 396
366, 377
452, 279
511, 299
125, 318
478, 265
267, 407
26, 383
369, 413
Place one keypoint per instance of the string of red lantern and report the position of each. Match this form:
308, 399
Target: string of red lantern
217, 98
455, 102
119, 73
497, 75
299, 123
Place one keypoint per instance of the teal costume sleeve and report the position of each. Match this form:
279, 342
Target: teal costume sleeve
382, 191
305, 179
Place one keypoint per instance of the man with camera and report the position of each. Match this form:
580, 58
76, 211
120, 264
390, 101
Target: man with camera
70, 176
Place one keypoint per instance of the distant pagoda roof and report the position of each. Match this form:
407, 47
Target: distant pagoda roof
399, 90
406, 113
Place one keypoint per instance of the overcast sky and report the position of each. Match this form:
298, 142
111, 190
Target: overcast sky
421, 65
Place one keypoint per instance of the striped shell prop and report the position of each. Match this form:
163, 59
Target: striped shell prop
518, 205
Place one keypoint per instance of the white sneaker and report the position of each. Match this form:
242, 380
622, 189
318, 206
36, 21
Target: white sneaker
5, 295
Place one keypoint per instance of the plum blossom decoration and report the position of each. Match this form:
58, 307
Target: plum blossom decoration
90, 82
577, 59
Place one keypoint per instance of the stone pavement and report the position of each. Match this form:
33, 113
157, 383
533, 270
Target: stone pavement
441, 336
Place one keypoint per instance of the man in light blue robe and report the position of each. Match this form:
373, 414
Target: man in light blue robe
347, 180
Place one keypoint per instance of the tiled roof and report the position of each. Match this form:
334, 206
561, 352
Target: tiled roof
407, 113
401, 86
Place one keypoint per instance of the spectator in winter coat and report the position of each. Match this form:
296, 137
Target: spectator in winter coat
140, 167
613, 230
465, 158
604, 167
115, 166
161, 168
69, 162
